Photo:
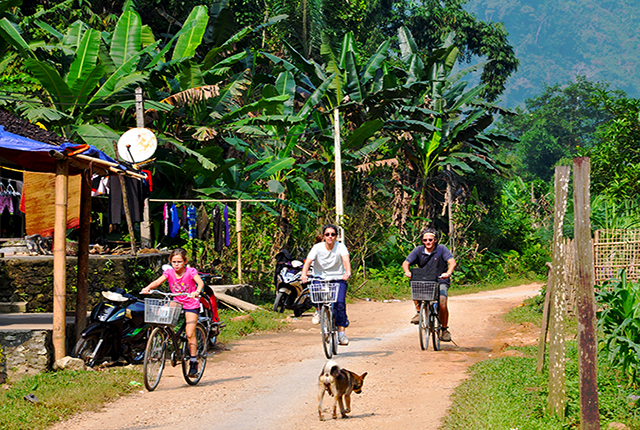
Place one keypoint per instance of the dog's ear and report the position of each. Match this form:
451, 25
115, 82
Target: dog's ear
335, 371
363, 375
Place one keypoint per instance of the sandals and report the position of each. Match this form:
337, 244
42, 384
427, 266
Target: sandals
445, 336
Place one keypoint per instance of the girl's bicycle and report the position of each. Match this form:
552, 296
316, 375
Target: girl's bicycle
325, 294
168, 333
428, 294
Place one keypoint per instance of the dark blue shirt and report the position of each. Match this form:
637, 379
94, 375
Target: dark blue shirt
433, 265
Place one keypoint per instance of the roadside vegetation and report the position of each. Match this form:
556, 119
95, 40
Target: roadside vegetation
508, 393
59, 395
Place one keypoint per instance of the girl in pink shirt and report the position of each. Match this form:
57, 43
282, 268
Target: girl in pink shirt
183, 279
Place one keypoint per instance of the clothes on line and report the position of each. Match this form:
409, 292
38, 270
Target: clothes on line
137, 191
198, 223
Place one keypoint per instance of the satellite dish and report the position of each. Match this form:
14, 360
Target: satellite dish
137, 144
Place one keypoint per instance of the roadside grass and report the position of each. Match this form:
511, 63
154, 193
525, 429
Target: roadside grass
259, 321
63, 394
508, 393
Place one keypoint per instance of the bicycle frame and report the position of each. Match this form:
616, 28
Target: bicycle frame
164, 333
324, 294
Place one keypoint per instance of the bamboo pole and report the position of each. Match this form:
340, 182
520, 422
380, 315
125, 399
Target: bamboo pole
82, 283
587, 339
59, 259
556, 286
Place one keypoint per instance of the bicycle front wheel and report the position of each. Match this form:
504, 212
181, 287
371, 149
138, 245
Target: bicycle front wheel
423, 325
434, 326
154, 355
201, 357
327, 332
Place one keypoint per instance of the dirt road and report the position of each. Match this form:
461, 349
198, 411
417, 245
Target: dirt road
269, 381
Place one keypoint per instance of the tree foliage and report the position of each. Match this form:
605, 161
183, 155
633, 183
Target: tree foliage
554, 126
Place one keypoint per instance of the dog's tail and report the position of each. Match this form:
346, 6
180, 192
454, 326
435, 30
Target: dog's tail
330, 371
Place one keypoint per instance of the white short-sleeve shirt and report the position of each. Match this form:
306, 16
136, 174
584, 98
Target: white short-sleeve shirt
327, 264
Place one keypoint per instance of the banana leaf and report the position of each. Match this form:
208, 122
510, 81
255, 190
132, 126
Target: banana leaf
189, 41
126, 42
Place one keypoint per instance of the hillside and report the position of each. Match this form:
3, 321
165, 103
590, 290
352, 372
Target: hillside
555, 40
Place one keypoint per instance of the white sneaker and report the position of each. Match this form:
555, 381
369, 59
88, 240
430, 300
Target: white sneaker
343, 339
316, 318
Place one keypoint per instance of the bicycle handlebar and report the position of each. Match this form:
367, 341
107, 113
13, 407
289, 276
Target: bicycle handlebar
169, 294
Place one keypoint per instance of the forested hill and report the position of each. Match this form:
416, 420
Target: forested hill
555, 40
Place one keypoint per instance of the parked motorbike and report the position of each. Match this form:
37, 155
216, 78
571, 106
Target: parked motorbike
290, 293
116, 329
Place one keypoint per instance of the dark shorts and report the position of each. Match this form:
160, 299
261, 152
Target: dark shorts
197, 310
444, 290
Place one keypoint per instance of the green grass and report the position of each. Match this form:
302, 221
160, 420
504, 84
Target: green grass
260, 321
63, 394
508, 393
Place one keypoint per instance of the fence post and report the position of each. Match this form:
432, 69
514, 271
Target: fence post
587, 347
556, 286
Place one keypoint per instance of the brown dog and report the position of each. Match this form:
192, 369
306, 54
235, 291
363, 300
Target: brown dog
338, 383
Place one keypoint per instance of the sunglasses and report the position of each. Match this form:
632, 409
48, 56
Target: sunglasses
428, 240
330, 234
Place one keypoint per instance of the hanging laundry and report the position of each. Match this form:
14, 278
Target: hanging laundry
165, 214
135, 198
191, 221
217, 229
203, 224
174, 227
227, 239
99, 185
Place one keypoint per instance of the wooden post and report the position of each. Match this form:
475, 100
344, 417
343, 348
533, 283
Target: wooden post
145, 225
542, 343
60, 260
127, 213
556, 287
585, 297
82, 283
239, 238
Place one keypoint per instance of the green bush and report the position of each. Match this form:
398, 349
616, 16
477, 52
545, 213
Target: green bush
619, 321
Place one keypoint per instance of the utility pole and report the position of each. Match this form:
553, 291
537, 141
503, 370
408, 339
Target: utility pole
337, 152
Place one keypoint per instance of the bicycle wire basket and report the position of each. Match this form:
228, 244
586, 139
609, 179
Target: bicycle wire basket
161, 311
425, 290
324, 292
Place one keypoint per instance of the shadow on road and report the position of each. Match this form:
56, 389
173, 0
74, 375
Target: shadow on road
364, 354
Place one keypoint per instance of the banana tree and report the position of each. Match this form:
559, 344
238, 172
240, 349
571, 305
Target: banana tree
447, 123
81, 95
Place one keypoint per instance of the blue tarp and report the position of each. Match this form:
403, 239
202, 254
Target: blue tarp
34, 156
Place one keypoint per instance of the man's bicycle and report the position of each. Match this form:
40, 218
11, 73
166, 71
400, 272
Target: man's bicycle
325, 294
428, 294
168, 333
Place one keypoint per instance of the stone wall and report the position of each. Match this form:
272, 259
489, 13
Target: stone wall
27, 352
30, 279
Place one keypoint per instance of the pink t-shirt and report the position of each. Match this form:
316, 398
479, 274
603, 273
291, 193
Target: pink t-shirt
184, 284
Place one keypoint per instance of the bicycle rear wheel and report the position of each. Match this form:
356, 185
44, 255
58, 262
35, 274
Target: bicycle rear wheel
334, 333
201, 357
423, 325
434, 326
326, 331
154, 355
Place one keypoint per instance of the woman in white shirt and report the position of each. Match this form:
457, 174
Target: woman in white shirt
331, 262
